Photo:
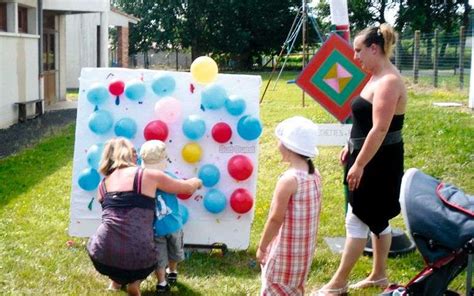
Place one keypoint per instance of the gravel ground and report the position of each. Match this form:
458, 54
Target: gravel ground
22, 135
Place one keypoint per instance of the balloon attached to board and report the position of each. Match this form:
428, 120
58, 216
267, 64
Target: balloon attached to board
204, 70
240, 167
215, 201
191, 152
116, 88
156, 130
100, 122
135, 90
125, 127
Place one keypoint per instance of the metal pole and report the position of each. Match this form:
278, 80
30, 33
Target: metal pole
279, 56
461, 57
469, 275
304, 43
436, 58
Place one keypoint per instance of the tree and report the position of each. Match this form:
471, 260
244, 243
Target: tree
160, 27
241, 30
447, 15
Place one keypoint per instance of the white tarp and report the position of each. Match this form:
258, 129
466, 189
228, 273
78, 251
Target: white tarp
203, 227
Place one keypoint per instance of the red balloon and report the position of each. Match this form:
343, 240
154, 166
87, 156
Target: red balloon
156, 130
240, 167
241, 201
183, 196
116, 87
221, 132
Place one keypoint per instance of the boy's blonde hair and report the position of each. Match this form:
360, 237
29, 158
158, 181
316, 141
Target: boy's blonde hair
118, 153
153, 152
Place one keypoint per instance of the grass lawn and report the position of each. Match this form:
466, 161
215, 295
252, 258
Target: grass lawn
35, 191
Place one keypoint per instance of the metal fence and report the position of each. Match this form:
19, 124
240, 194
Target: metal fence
436, 56
162, 60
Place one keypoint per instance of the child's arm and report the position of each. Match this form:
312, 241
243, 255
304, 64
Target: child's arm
285, 187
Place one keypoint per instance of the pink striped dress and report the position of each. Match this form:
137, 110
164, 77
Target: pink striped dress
291, 252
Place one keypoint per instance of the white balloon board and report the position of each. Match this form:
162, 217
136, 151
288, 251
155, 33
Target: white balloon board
229, 222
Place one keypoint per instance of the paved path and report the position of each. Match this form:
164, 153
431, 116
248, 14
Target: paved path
22, 135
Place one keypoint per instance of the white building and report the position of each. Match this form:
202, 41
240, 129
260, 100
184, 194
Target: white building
45, 43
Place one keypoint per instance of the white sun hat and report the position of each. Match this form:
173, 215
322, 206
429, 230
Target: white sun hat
299, 135
153, 151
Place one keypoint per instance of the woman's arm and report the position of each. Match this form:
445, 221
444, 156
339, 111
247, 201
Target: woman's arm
384, 103
286, 186
175, 186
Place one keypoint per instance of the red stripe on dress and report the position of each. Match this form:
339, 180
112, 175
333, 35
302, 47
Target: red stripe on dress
139, 181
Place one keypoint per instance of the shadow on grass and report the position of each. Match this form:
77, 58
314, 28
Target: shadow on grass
20, 172
178, 289
236, 264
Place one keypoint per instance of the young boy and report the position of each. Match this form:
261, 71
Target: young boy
168, 225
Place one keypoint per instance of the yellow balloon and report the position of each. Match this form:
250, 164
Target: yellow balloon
191, 152
204, 70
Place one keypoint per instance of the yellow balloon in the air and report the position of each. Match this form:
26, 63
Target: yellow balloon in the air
204, 70
191, 152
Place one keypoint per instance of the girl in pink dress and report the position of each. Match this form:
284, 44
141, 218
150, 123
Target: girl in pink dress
288, 242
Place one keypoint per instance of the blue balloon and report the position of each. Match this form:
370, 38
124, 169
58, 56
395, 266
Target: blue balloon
215, 201
194, 127
183, 210
235, 105
126, 127
209, 174
101, 121
97, 94
89, 179
163, 85
249, 127
135, 90
94, 154
213, 97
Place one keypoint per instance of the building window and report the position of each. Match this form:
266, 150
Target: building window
3, 16
48, 52
22, 19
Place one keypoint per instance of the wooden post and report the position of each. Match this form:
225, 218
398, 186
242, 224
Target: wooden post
177, 59
416, 56
461, 57
397, 55
435, 58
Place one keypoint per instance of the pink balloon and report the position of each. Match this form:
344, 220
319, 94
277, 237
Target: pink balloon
221, 132
241, 201
168, 109
240, 167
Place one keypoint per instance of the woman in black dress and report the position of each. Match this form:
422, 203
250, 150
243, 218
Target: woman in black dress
373, 160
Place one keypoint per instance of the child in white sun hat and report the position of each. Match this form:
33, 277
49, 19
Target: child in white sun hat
169, 222
288, 242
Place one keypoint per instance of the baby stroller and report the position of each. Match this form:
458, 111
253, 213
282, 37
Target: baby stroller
440, 220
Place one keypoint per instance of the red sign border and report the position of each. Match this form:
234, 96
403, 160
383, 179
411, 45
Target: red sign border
334, 42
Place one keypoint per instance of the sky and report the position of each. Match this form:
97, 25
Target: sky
391, 12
